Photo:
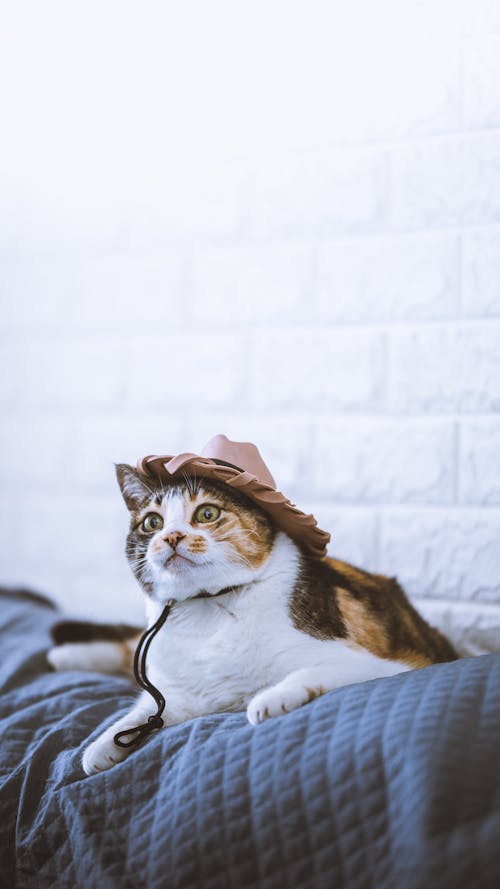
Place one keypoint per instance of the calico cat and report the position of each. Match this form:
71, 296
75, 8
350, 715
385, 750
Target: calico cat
258, 623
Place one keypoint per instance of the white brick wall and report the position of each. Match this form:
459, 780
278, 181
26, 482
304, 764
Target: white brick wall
316, 267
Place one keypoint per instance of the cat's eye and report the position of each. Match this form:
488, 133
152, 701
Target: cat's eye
152, 522
207, 513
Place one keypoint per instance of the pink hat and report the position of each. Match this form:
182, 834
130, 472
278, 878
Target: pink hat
240, 465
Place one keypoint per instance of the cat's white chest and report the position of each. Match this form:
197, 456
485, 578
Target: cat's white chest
213, 654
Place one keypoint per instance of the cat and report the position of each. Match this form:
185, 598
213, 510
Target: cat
258, 624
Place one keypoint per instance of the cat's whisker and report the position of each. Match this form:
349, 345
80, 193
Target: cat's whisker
188, 482
139, 563
238, 559
143, 574
237, 556
191, 482
141, 568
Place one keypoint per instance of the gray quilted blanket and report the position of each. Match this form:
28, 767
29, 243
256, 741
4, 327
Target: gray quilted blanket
391, 784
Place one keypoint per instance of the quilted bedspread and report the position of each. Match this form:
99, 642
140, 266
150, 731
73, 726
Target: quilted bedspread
389, 783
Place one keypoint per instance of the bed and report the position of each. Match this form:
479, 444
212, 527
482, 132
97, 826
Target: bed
389, 783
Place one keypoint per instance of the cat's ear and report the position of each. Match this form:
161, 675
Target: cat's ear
134, 488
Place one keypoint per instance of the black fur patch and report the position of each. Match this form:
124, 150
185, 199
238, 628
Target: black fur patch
84, 631
313, 604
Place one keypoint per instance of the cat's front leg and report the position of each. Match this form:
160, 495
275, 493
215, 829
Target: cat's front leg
302, 686
293, 691
103, 753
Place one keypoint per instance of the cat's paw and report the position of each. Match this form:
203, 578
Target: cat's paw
103, 754
278, 700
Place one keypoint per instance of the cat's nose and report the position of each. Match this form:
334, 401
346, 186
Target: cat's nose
173, 537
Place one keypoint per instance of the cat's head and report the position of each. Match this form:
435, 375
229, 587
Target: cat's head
192, 536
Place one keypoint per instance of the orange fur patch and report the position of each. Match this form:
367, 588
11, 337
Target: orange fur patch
360, 626
374, 635
197, 544
245, 531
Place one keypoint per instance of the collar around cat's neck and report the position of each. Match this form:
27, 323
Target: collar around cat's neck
227, 589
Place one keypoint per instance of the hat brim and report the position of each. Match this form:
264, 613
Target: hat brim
302, 528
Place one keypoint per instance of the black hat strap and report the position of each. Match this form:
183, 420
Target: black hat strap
139, 732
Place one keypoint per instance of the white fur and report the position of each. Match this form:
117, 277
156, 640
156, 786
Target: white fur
237, 651
101, 657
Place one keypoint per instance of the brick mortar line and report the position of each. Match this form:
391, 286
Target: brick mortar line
381, 326
457, 508
462, 67
460, 277
382, 230
131, 336
132, 410
363, 145
55, 253
457, 462
460, 604
249, 163
224, 414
